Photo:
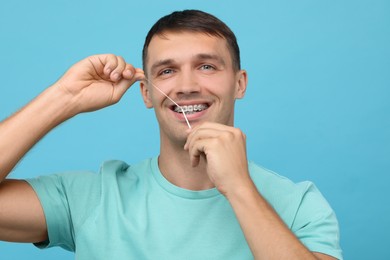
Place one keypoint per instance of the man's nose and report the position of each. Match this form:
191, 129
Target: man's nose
187, 84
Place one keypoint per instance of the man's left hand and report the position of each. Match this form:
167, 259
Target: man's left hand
224, 150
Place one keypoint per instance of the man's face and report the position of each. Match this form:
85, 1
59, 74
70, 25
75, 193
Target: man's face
196, 71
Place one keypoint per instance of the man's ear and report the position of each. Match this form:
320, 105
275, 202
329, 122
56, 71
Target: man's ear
146, 94
241, 83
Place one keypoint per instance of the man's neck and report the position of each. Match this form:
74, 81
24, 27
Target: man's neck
174, 163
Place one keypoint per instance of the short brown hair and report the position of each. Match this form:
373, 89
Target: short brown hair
195, 21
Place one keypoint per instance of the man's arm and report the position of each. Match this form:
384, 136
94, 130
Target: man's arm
264, 229
93, 83
224, 150
21, 214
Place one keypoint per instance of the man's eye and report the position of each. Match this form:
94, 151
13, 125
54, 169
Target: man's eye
166, 71
207, 67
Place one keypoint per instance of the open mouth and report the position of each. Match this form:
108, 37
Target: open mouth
190, 109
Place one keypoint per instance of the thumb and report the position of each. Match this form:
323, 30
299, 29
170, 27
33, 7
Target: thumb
121, 87
128, 79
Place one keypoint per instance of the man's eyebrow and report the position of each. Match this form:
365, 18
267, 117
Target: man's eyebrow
161, 63
200, 56
207, 56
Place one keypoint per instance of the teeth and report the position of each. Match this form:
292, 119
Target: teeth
190, 108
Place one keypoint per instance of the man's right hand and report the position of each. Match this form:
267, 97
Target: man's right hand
97, 81
93, 83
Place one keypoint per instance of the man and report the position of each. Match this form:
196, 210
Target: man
200, 199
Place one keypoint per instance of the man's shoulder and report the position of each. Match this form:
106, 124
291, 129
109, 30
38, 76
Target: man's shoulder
110, 170
281, 192
270, 179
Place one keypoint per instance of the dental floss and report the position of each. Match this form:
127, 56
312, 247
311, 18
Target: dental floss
162, 92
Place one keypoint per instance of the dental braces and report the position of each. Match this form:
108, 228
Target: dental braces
162, 92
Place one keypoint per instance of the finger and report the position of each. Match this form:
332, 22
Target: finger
120, 89
205, 131
110, 62
197, 150
193, 135
126, 82
131, 73
198, 144
116, 73
194, 154
139, 74
128, 72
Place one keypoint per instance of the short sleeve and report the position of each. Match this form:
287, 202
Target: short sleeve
316, 224
67, 199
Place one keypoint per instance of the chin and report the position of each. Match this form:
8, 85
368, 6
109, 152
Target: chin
177, 136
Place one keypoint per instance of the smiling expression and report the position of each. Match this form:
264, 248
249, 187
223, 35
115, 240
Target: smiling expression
196, 71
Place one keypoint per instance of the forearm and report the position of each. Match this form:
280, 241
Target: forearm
267, 235
21, 131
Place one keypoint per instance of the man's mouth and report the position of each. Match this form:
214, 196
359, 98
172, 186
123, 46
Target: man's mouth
190, 109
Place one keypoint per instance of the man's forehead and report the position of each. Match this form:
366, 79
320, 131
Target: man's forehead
171, 46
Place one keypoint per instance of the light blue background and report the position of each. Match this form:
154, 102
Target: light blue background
317, 106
